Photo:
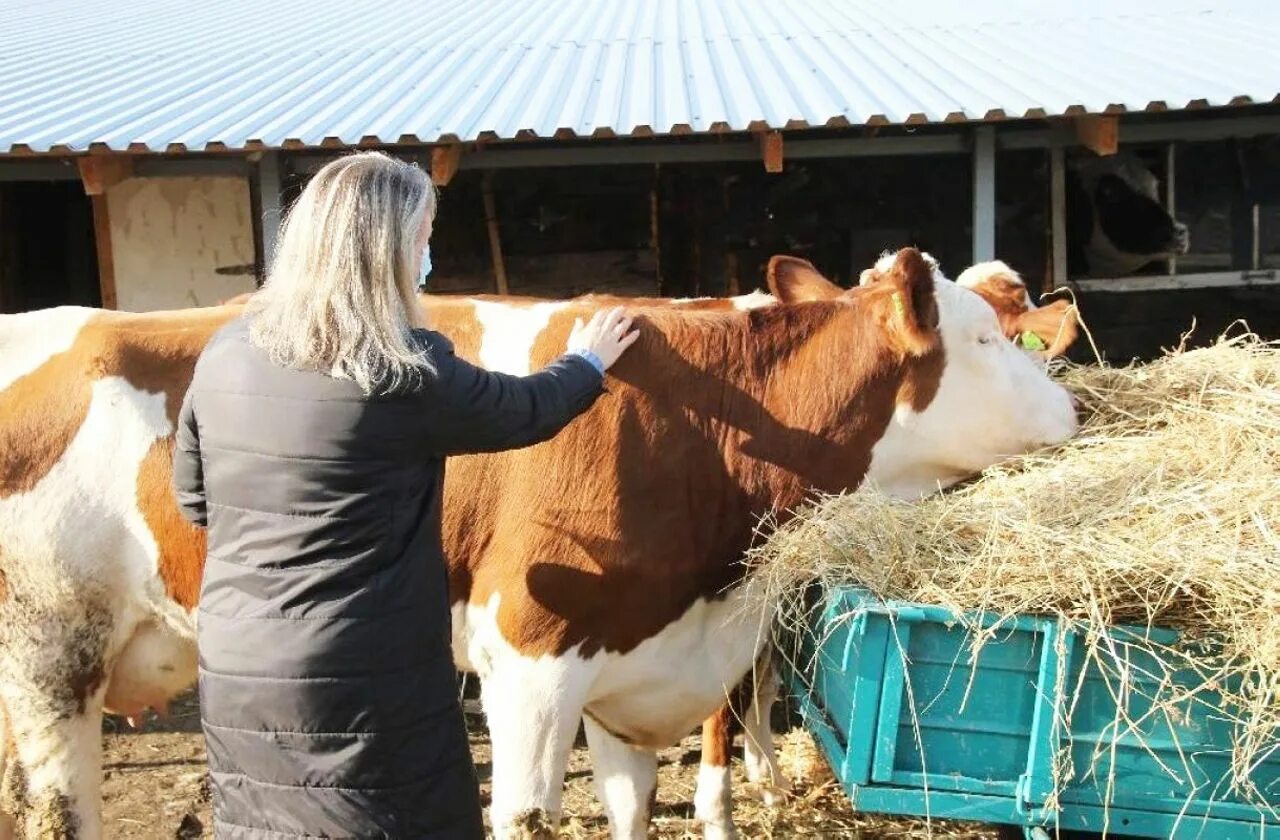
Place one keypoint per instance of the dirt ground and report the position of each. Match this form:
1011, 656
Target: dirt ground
154, 789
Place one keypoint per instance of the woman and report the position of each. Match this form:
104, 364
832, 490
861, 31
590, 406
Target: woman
311, 445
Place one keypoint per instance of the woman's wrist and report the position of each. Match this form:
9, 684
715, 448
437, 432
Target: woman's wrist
591, 357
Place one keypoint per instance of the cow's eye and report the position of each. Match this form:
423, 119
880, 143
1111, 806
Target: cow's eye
985, 340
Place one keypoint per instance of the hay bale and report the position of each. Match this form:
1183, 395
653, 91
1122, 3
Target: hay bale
1164, 511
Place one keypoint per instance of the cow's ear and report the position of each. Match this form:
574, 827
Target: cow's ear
1054, 327
907, 292
793, 280
1007, 296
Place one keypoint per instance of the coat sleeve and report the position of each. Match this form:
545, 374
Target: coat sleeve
474, 410
188, 471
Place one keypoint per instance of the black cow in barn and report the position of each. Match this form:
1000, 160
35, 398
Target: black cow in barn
1116, 223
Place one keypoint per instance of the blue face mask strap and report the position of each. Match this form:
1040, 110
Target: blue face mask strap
426, 268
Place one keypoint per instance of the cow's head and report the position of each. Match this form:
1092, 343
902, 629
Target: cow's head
1130, 226
992, 399
1046, 331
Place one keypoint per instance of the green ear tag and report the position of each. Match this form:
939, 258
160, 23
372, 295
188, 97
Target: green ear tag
897, 305
1031, 341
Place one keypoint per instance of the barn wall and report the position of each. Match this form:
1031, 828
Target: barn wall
169, 237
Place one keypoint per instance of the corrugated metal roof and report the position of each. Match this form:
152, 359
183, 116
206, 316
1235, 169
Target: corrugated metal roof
173, 74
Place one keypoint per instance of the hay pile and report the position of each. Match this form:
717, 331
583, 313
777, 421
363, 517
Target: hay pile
1164, 511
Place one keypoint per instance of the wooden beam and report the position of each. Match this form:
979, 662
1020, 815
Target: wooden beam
58, 169
536, 156
1100, 133
1268, 278
101, 173
102, 242
1209, 128
444, 163
495, 241
771, 151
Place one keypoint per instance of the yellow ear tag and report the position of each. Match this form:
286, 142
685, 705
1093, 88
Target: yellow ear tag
897, 305
1031, 341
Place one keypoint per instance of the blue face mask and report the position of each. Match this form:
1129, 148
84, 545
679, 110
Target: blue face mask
426, 267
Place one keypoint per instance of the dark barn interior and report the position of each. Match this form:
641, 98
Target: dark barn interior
47, 254
695, 229
710, 228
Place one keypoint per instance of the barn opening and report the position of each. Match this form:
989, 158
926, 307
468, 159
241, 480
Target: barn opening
1227, 193
47, 252
691, 229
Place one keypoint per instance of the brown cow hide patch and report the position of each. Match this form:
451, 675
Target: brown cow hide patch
42, 413
44, 410
711, 420
181, 544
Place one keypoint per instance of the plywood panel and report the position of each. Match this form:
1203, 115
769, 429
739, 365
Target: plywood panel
180, 242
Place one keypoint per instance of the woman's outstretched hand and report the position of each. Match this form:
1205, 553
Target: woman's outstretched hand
607, 335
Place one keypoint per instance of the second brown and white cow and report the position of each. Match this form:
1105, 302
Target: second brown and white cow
597, 575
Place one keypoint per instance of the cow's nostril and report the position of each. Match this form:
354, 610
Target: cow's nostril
1076, 405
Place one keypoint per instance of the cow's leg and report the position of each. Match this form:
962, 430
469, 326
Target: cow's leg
626, 780
52, 685
713, 797
57, 761
758, 749
533, 707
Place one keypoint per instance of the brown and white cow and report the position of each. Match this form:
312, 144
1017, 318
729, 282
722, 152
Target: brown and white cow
747, 709
596, 575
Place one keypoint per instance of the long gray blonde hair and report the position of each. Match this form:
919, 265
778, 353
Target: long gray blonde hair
340, 296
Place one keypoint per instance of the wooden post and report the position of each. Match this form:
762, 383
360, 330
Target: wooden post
655, 227
696, 247
106, 261
1100, 133
771, 151
495, 241
732, 286
1058, 215
1256, 262
984, 194
444, 163
1170, 196
8, 296
98, 174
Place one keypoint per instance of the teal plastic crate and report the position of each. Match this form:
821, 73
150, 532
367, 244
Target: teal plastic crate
910, 726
